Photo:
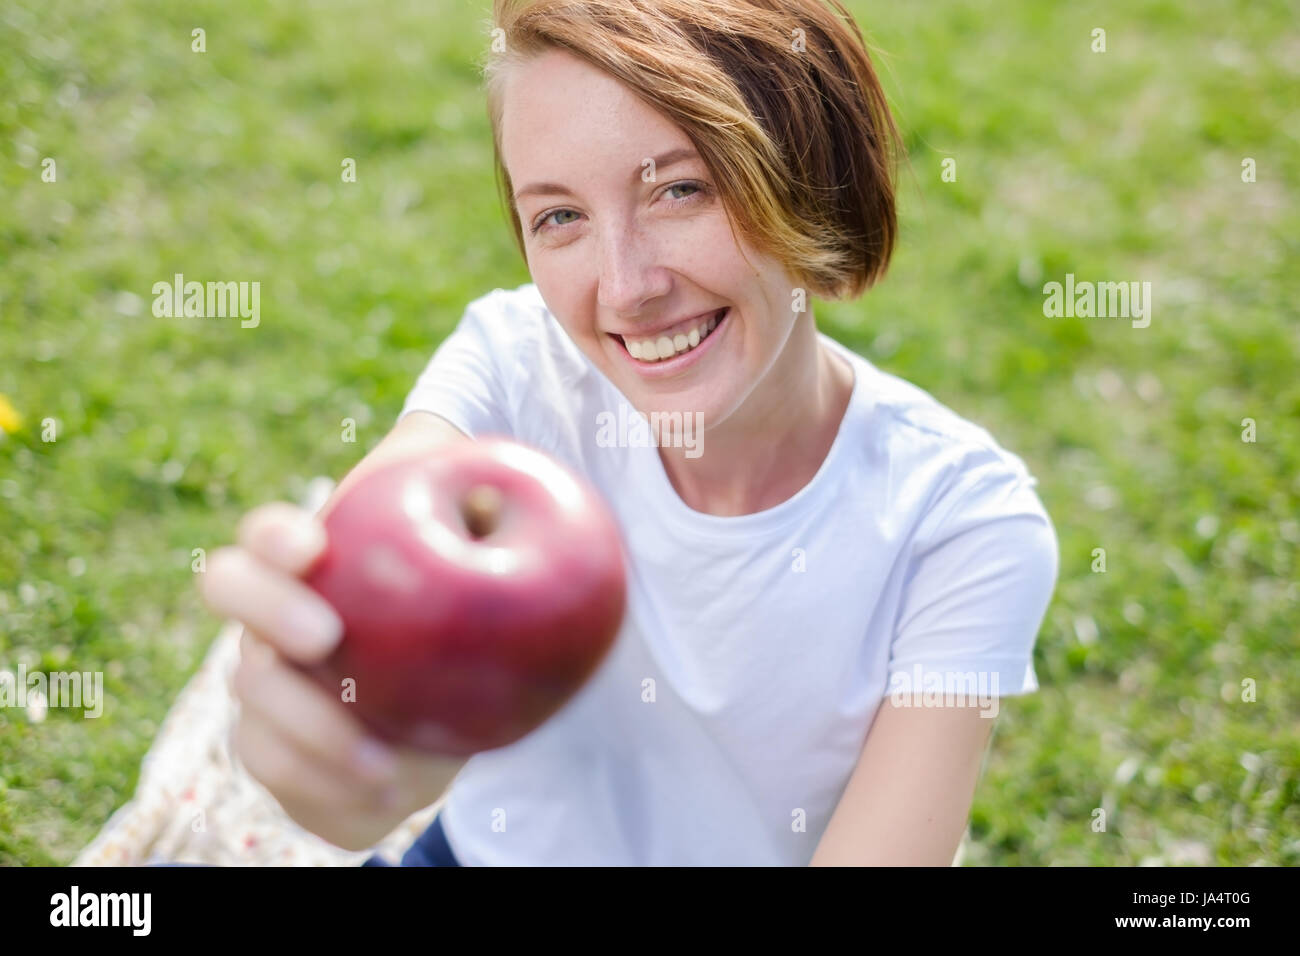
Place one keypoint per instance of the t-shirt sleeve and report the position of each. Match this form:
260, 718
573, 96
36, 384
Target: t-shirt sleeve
982, 573
466, 380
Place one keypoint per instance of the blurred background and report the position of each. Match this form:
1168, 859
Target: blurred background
1169, 679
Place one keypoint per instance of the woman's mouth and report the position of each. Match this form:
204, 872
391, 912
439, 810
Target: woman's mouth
671, 351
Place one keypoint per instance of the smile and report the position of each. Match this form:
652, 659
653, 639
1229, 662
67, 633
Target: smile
669, 349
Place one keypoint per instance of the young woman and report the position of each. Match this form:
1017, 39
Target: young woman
683, 178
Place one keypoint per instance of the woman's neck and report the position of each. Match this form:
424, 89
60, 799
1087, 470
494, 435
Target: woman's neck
772, 445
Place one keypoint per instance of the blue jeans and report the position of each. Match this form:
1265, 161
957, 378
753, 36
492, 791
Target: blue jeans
430, 849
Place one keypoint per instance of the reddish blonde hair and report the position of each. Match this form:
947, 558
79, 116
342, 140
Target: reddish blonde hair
779, 98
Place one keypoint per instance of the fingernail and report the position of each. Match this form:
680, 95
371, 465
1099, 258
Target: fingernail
316, 626
372, 759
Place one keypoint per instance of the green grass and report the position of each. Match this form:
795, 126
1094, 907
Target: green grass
1123, 165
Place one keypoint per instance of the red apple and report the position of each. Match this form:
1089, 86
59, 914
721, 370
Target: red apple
480, 585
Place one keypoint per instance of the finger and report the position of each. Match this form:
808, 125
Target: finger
284, 612
253, 652
314, 721
294, 778
252, 647
249, 649
287, 538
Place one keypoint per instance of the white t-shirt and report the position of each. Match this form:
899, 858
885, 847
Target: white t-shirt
725, 722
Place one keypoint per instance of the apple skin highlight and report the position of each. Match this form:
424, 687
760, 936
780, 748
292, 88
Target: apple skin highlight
479, 588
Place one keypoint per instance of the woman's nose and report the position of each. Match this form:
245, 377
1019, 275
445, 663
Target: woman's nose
629, 272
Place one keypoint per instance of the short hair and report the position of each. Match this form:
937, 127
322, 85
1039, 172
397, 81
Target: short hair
779, 98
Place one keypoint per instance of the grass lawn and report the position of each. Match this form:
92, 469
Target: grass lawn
1117, 166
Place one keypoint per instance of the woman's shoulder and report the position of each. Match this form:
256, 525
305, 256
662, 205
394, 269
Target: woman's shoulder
516, 322
921, 443
508, 312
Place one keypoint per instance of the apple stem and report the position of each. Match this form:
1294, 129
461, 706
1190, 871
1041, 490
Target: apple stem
482, 510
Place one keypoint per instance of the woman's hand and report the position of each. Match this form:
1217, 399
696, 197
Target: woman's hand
296, 738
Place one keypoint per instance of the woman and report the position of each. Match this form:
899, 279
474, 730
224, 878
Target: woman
816, 544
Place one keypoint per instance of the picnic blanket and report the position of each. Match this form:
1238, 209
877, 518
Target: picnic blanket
194, 803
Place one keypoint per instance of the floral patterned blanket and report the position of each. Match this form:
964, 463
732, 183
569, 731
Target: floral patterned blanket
195, 804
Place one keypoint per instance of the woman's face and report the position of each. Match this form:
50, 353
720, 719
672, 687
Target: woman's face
634, 269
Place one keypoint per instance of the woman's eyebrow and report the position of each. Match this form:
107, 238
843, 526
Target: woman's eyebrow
664, 161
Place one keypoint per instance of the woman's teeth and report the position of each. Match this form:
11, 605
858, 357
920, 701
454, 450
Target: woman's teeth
663, 347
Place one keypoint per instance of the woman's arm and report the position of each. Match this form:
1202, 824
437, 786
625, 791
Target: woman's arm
982, 575
293, 736
416, 433
909, 797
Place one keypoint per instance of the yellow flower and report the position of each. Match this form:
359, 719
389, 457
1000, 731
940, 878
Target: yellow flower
10, 420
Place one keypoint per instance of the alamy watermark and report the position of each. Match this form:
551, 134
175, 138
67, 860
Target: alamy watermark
38, 690
213, 300
1102, 300
130, 910
931, 688
631, 429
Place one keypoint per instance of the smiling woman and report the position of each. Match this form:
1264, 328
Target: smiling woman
718, 165
683, 178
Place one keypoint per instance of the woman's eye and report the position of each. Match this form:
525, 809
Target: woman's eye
541, 223
545, 221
